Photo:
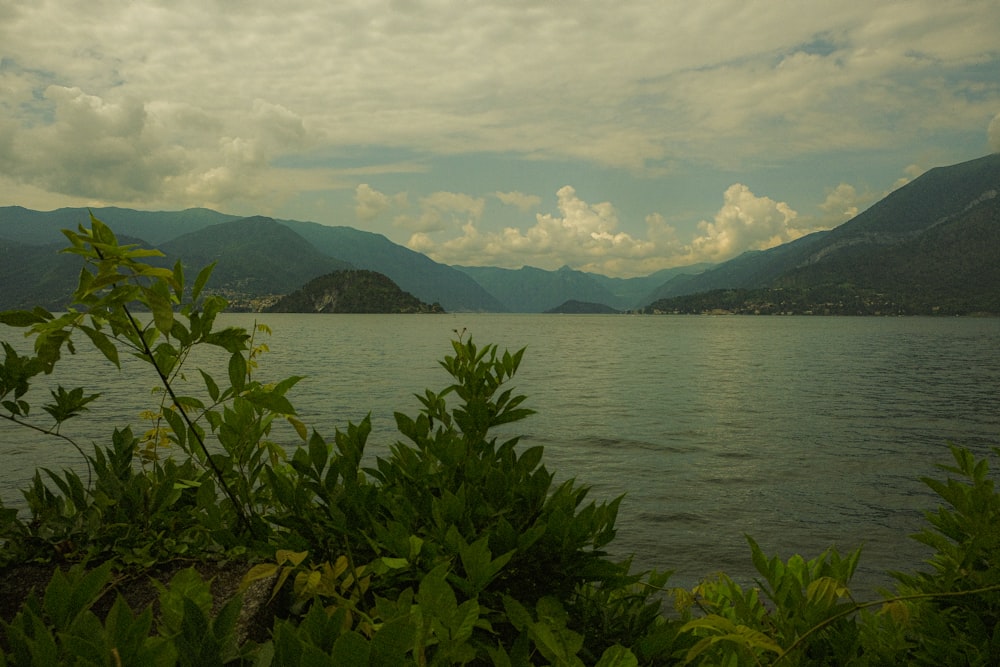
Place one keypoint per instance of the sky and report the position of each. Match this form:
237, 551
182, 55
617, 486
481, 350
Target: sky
615, 136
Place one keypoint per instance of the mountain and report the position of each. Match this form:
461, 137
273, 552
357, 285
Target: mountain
412, 271
751, 269
178, 234
255, 257
640, 290
357, 291
932, 246
154, 227
531, 290
36, 275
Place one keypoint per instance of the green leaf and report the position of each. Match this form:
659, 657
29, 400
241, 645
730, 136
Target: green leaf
163, 309
237, 372
519, 616
299, 426
210, 385
435, 595
178, 280
391, 643
68, 403
319, 452
102, 343
190, 402
177, 425
617, 656
126, 632
826, 590
199, 282
186, 586
350, 649
73, 593
479, 565
463, 621
271, 401
22, 318
231, 339
282, 387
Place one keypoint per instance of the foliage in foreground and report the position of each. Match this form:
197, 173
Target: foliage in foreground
455, 548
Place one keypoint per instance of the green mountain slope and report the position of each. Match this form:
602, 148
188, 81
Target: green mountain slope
357, 291
952, 267
412, 271
751, 269
255, 257
933, 246
416, 273
36, 275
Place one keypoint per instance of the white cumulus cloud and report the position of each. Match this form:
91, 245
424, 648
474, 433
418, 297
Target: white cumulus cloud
583, 235
369, 203
520, 200
745, 222
589, 237
993, 134
842, 203
442, 210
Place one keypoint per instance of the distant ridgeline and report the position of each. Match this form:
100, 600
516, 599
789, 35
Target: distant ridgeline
352, 291
930, 247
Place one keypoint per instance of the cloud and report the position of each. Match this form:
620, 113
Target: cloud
279, 129
842, 203
589, 237
123, 150
583, 235
993, 134
521, 201
282, 105
92, 148
442, 210
626, 85
369, 203
745, 222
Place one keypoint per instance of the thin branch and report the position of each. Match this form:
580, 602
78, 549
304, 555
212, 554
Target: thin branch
165, 381
219, 475
864, 605
57, 434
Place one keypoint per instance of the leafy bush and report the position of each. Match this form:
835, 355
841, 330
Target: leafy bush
455, 548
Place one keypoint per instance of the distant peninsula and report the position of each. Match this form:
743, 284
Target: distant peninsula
352, 291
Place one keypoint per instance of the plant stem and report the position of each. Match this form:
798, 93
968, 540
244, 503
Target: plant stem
240, 510
57, 434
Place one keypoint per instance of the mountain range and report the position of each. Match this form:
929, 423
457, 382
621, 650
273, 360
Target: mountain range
932, 246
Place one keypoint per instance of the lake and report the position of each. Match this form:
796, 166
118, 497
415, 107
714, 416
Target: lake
804, 432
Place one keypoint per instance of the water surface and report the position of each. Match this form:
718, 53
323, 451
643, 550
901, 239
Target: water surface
804, 432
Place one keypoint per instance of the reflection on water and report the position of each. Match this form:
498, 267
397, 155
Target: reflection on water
804, 432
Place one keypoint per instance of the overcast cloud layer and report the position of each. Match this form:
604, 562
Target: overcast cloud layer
618, 137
